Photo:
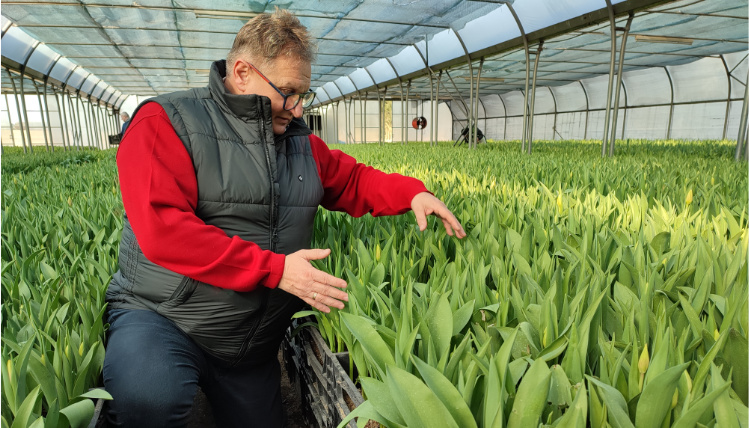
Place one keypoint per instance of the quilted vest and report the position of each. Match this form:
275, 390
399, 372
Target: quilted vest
251, 184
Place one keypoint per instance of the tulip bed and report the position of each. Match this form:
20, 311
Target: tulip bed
589, 291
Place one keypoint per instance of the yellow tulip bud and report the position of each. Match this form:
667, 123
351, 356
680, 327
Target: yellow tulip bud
675, 400
644, 361
80, 350
67, 351
716, 334
559, 202
10, 369
42, 359
545, 337
689, 382
712, 181
378, 252
689, 197
70, 201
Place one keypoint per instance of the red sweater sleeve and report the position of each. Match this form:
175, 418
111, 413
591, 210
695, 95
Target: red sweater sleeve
358, 189
160, 193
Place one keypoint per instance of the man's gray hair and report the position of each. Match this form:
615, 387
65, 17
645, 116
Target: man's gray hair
268, 36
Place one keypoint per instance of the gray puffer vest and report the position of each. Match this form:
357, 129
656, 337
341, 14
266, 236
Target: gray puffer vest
251, 184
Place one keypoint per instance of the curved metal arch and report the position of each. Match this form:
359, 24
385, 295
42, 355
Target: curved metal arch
671, 107
619, 82
626, 108
556, 112
612, 24
728, 97
587, 109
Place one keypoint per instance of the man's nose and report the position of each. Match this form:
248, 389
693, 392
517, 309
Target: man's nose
298, 110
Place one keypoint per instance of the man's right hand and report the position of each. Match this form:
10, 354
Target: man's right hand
319, 289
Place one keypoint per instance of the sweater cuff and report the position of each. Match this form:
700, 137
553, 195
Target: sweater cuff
409, 189
277, 264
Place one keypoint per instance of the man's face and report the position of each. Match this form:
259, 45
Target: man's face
290, 75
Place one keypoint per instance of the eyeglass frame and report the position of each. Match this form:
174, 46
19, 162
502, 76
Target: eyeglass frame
286, 96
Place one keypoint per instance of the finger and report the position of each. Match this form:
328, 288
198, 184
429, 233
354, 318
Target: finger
448, 228
327, 279
421, 219
449, 218
329, 301
317, 305
314, 254
333, 293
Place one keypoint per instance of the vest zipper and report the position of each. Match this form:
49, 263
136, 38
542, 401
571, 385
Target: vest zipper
273, 240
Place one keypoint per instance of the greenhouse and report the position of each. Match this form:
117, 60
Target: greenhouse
593, 153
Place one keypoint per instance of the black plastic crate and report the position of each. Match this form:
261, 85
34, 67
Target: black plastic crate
328, 394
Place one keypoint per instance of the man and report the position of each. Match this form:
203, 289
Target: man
219, 213
125, 122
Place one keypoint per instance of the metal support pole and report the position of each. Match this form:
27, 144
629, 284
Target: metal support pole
64, 128
81, 119
436, 121
41, 114
525, 95
10, 121
26, 117
476, 114
403, 114
408, 92
346, 118
18, 111
99, 127
72, 121
741, 139
612, 22
89, 123
533, 96
364, 118
619, 70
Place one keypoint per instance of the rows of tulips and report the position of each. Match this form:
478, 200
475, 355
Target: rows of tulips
617, 286
61, 221
571, 302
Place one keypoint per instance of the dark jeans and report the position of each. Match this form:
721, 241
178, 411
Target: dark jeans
153, 369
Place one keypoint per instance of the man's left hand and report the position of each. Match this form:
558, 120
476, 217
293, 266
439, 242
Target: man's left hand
424, 204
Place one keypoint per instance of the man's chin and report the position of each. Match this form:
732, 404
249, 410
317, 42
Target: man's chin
279, 129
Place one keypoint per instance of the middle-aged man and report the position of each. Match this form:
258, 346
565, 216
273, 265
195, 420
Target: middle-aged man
220, 187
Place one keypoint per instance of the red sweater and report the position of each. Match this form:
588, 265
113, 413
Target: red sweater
160, 193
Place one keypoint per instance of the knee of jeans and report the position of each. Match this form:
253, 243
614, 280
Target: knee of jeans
150, 406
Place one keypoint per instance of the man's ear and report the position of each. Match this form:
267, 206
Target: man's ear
241, 72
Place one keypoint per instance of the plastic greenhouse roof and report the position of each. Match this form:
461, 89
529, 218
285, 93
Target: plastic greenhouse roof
111, 49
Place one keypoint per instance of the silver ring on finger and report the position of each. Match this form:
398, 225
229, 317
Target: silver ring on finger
314, 295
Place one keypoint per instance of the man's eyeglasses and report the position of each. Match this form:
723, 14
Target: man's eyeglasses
290, 101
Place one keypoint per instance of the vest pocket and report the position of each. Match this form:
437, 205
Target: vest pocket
183, 291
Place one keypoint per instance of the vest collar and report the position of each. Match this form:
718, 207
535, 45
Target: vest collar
243, 106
